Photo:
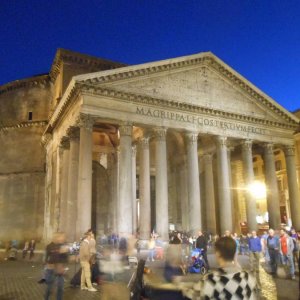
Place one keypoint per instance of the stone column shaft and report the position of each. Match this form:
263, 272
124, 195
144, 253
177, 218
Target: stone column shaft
193, 182
210, 194
161, 184
84, 216
272, 188
134, 208
72, 184
145, 203
294, 196
225, 205
64, 185
249, 179
125, 195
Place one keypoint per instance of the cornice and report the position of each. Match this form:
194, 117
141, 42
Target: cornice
63, 55
25, 83
23, 125
206, 58
147, 100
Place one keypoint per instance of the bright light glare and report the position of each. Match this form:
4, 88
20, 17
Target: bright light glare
258, 190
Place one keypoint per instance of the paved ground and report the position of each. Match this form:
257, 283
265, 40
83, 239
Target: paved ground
18, 281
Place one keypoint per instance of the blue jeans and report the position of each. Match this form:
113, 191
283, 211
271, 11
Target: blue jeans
289, 258
50, 277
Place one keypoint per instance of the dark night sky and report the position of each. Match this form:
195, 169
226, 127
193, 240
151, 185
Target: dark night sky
260, 39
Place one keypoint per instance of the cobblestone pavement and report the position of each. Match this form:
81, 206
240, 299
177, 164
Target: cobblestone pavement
18, 281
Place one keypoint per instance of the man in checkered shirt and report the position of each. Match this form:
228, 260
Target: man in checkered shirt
229, 281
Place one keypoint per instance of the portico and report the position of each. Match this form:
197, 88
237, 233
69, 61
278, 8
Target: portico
181, 115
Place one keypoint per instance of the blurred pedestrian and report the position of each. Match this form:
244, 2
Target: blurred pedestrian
273, 250
255, 252
286, 247
56, 258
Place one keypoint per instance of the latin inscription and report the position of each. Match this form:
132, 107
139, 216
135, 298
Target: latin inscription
197, 120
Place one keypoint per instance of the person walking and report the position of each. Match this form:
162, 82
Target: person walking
56, 257
273, 250
201, 243
286, 247
85, 255
255, 249
31, 249
295, 238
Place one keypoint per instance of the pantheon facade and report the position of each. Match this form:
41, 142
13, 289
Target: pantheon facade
168, 144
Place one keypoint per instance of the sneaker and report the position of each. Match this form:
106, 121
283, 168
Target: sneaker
84, 288
92, 289
293, 277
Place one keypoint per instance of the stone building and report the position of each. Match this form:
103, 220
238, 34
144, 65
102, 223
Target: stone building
120, 148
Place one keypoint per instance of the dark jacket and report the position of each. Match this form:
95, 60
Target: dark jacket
54, 255
201, 242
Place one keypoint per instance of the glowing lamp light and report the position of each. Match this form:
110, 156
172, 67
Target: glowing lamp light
258, 190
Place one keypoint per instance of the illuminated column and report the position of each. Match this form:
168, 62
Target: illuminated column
125, 181
134, 209
249, 179
85, 170
225, 205
209, 194
73, 134
294, 196
193, 182
65, 146
161, 184
145, 204
272, 187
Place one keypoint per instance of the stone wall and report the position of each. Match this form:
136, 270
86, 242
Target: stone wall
22, 158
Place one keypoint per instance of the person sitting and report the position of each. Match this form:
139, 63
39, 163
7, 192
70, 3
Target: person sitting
229, 281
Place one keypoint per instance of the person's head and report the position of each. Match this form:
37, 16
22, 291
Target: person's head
225, 248
271, 232
227, 233
293, 231
88, 235
200, 233
254, 233
282, 232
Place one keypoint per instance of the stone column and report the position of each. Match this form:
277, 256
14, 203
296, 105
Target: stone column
211, 222
272, 188
225, 205
249, 179
161, 184
85, 171
294, 197
65, 146
193, 182
125, 195
134, 208
73, 133
145, 203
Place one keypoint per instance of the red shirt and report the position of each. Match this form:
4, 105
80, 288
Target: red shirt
283, 242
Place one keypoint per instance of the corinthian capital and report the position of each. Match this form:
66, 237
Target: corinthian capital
221, 141
289, 150
65, 143
125, 130
268, 148
247, 145
191, 137
73, 133
85, 121
160, 133
144, 142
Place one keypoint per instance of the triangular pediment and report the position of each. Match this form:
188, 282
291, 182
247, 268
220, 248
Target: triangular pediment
201, 80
